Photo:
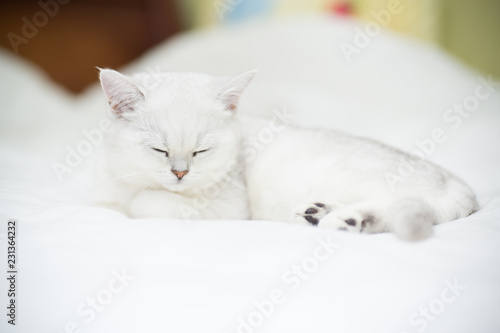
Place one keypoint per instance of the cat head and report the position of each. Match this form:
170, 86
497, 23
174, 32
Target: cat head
177, 133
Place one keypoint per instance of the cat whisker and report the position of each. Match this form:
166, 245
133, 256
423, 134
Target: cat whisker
124, 176
145, 187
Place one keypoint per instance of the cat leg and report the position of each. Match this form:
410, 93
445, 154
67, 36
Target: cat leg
361, 217
113, 195
353, 218
159, 204
345, 219
408, 219
113, 206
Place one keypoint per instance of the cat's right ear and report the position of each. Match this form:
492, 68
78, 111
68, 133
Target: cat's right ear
123, 95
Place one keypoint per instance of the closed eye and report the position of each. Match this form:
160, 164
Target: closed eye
161, 151
199, 152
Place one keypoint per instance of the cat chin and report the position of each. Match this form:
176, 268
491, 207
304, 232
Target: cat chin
179, 187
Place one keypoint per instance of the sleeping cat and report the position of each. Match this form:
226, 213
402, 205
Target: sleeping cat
178, 151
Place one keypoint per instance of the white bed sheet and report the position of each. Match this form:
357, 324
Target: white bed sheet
207, 276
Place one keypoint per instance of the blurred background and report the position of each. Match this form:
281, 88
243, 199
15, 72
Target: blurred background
74, 36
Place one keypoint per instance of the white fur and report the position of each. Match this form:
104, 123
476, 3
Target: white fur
307, 176
347, 174
181, 113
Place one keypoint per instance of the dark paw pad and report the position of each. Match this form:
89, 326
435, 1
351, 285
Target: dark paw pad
351, 222
368, 220
312, 220
313, 213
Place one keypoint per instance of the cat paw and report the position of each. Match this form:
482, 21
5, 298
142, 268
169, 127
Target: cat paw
344, 220
155, 204
113, 206
311, 213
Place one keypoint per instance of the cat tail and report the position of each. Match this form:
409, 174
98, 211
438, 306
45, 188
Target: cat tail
411, 219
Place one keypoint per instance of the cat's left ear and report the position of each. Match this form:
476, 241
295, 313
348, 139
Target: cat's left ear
234, 89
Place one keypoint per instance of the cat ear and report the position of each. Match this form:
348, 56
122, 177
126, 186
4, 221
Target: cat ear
234, 89
123, 95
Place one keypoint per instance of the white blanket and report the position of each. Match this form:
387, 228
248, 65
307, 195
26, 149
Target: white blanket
87, 269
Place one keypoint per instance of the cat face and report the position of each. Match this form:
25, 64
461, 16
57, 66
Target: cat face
176, 135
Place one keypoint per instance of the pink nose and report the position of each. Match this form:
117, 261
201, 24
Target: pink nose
179, 174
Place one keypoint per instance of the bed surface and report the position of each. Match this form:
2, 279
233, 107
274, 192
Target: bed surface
158, 275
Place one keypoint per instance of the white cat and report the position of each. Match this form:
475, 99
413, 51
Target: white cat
177, 152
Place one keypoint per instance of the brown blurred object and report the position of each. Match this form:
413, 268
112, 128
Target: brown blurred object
81, 34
